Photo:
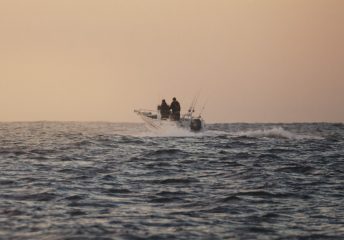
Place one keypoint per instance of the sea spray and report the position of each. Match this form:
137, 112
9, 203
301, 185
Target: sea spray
275, 132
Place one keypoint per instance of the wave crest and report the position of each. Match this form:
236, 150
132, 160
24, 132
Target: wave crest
275, 132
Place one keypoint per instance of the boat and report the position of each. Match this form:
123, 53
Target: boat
153, 120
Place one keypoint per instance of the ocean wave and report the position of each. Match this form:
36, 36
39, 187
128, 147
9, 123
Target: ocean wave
165, 199
275, 132
170, 132
100, 181
176, 181
44, 196
160, 152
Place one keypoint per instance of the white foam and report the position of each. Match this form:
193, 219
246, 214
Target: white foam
170, 131
173, 131
275, 132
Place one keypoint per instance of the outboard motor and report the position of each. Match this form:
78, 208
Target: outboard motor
196, 124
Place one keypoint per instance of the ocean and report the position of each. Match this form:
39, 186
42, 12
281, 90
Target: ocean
72, 180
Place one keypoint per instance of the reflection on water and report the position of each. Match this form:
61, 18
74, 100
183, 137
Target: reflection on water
107, 180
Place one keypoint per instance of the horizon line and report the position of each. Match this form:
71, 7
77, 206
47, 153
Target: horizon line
139, 122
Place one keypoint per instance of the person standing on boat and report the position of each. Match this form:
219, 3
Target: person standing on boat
175, 107
164, 110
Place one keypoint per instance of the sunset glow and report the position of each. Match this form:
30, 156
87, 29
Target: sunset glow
256, 61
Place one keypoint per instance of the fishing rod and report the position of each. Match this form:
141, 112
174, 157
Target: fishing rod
194, 102
205, 103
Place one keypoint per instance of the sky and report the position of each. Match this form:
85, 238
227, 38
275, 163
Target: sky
248, 60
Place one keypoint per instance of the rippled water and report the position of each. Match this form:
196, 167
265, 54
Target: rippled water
119, 181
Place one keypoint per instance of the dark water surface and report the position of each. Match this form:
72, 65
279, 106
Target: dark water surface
118, 181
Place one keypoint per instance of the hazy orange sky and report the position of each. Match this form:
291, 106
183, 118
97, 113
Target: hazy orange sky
256, 60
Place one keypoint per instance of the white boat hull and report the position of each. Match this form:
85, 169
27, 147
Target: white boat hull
153, 121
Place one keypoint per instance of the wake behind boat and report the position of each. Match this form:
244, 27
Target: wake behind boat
160, 119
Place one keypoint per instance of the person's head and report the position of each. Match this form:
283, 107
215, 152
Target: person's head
174, 99
163, 101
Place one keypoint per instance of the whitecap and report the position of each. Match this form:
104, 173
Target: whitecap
275, 132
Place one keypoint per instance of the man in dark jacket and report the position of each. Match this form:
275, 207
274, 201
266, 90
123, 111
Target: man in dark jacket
164, 110
175, 107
